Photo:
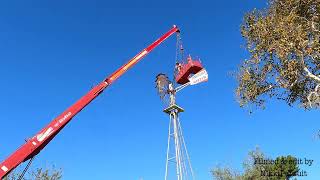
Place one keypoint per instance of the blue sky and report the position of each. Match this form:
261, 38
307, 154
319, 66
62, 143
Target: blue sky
53, 52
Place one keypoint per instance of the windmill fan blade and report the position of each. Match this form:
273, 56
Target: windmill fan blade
162, 96
162, 83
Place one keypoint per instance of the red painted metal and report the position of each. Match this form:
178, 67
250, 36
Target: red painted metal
35, 144
191, 67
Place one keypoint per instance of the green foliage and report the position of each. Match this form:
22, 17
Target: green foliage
288, 169
12, 176
38, 174
284, 44
254, 171
46, 174
225, 174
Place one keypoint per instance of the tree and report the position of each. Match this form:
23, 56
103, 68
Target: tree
287, 166
284, 45
46, 174
282, 168
38, 174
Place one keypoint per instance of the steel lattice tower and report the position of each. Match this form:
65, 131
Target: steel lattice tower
177, 153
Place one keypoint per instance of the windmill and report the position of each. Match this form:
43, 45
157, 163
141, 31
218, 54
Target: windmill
177, 153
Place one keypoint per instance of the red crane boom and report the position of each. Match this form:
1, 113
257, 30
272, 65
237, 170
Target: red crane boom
35, 144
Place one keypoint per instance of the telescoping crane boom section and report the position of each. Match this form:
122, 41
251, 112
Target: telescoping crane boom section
35, 144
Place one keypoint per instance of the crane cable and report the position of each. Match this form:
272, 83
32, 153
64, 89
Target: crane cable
25, 169
179, 55
179, 49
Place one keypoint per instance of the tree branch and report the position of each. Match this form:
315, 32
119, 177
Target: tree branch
310, 75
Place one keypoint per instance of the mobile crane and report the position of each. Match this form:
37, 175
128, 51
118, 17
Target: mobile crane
34, 145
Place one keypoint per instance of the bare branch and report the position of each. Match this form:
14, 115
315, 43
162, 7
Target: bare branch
310, 75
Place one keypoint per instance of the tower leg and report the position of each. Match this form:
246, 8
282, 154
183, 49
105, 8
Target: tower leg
168, 149
176, 150
177, 146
